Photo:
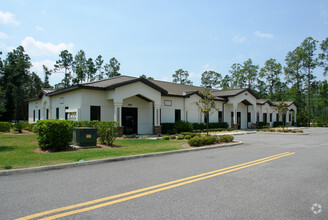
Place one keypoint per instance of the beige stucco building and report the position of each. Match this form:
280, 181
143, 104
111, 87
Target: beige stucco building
141, 105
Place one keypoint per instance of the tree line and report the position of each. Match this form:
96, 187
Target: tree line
293, 81
18, 83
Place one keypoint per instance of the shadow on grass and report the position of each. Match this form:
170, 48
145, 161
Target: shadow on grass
6, 148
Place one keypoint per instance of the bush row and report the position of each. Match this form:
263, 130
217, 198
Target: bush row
282, 130
56, 135
207, 140
182, 126
5, 126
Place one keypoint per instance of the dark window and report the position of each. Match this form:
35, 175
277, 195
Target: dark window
249, 117
258, 117
265, 119
270, 117
66, 113
57, 113
39, 114
33, 115
277, 117
232, 119
160, 116
220, 116
47, 114
177, 115
94, 113
290, 117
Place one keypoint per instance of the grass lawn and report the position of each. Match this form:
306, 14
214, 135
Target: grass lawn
16, 151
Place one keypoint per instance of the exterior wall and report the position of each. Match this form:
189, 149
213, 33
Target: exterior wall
89, 98
41, 104
168, 111
112, 101
189, 110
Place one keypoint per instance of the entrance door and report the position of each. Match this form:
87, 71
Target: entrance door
130, 120
239, 119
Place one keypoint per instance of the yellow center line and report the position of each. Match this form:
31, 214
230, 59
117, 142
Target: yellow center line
203, 176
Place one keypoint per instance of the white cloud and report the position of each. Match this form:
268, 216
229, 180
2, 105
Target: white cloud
239, 39
3, 35
263, 35
39, 28
39, 48
55, 77
8, 18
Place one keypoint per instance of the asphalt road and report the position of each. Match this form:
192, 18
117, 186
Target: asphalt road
284, 187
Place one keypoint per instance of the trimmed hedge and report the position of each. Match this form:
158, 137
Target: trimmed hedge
180, 137
226, 138
167, 128
54, 134
182, 126
5, 126
260, 124
192, 134
278, 124
201, 141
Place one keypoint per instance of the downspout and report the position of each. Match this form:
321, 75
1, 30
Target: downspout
223, 111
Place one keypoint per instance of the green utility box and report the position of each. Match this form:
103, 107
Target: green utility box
84, 136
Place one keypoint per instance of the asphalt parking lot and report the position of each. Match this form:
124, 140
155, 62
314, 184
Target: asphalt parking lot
270, 176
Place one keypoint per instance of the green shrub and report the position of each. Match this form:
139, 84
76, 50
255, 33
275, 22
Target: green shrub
54, 134
260, 124
192, 134
195, 141
198, 126
278, 124
187, 137
90, 124
166, 138
182, 126
300, 131
201, 141
207, 140
180, 137
31, 128
226, 138
218, 125
107, 132
173, 137
5, 126
18, 127
166, 127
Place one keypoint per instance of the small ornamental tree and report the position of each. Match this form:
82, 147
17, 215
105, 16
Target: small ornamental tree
282, 107
206, 104
107, 132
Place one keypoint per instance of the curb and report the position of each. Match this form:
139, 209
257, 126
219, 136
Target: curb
108, 160
283, 133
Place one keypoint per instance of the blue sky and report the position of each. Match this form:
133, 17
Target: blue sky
156, 38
